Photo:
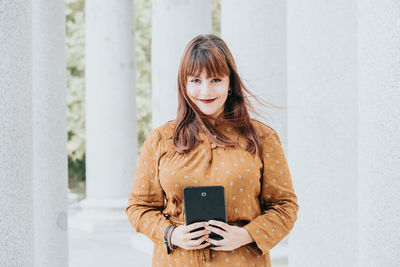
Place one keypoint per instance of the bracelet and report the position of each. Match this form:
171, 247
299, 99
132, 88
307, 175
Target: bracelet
171, 246
166, 234
167, 238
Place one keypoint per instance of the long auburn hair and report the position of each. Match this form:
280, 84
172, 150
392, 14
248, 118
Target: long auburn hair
210, 52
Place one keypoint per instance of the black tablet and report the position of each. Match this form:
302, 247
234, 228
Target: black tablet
204, 203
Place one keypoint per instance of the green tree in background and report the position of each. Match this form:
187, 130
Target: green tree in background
143, 68
216, 17
75, 44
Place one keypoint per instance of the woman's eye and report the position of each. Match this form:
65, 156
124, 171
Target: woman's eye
198, 80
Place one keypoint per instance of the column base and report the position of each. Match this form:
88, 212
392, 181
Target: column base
100, 215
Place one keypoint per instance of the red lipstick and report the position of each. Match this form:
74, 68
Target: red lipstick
207, 101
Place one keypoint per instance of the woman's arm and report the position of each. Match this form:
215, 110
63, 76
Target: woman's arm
278, 198
146, 199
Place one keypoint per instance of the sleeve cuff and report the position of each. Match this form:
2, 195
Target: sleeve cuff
254, 249
255, 246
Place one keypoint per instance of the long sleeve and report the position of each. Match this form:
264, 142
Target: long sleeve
278, 199
146, 199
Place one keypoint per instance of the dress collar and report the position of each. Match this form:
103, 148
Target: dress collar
224, 127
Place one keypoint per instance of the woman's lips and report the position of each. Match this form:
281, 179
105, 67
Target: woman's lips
207, 101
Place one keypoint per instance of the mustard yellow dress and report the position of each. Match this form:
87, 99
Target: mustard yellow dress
259, 194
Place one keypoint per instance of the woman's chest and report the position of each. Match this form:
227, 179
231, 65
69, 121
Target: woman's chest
237, 170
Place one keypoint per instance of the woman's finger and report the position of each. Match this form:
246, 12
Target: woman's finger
217, 231
218, 248
194, 226
201, 246
223, 225
196, 234
216, 242
194, 243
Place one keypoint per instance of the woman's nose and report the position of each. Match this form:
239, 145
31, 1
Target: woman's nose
205, 86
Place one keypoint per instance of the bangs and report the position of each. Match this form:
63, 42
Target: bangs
211, 60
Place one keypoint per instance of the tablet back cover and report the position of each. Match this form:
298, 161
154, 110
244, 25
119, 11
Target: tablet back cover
203, 203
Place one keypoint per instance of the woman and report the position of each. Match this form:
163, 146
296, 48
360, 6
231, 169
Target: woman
213, 141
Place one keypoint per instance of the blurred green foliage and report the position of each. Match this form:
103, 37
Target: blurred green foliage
75, 44
216, 17
142, 12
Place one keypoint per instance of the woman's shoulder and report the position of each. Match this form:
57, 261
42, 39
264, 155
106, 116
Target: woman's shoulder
267, 134
262, 128
164, 131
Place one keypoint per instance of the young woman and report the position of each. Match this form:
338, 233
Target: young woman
213, 141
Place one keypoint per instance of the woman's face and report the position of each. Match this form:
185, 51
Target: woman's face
210, 94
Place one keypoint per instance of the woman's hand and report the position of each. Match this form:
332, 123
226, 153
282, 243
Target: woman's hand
234, 236
182, 237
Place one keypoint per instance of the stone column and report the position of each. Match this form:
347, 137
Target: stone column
16, 135
50, 134
257, 41
174, 24
323, 134
378, 133
111, 134
33, 156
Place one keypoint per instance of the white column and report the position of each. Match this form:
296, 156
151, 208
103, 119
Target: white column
16, 135
379, 139
174, 24
33, 156
323, 135
111, 134
257, 40
50, 134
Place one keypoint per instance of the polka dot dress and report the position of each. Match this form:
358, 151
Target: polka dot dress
259, 194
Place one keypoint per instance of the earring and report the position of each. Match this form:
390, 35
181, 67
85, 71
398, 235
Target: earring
229, 91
